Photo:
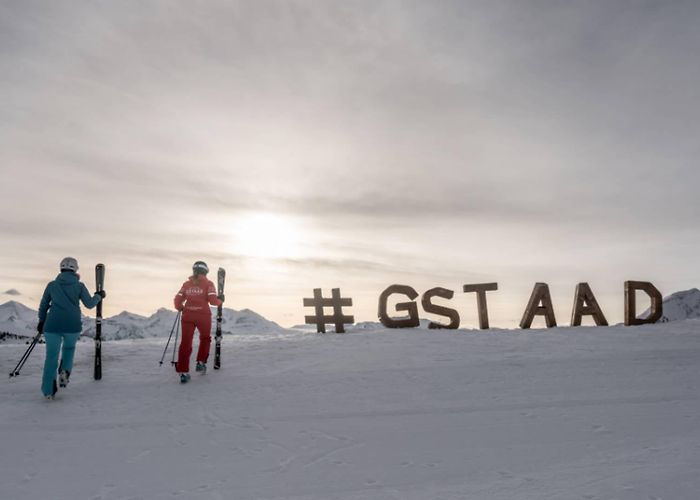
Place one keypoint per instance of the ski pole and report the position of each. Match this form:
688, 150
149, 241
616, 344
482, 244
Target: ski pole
177, 334
25, 356
177, 317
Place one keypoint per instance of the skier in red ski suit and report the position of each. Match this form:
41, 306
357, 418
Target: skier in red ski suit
193, 299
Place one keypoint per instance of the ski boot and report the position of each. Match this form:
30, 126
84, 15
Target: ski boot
63, 378
52, 396
184, 378
201, 368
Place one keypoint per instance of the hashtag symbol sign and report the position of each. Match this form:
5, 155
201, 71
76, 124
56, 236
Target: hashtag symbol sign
320, 319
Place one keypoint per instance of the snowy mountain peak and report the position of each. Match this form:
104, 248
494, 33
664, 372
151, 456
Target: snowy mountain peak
126, 315
14, 308
12, 291
681, 305
17, 318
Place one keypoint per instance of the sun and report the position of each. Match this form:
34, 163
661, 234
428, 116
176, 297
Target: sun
267, 235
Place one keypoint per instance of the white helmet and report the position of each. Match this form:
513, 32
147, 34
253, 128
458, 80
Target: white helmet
69, 264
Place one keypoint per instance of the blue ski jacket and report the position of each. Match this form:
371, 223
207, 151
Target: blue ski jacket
60, 306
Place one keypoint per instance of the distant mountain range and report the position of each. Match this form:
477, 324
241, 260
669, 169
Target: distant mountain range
19, 319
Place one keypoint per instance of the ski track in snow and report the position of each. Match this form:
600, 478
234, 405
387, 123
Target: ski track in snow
568, 413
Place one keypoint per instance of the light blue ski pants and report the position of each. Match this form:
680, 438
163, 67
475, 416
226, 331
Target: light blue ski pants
53, 348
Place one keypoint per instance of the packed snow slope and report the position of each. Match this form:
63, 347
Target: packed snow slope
567, 413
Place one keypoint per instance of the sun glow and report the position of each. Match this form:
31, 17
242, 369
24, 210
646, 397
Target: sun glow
267, 235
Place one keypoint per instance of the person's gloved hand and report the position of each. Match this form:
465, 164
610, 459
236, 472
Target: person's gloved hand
181, 308
222, 297
101, 293
40, 327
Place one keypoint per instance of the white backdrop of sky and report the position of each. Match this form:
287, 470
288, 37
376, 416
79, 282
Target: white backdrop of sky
304, 144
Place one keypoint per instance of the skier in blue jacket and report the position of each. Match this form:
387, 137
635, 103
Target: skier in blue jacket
60, 322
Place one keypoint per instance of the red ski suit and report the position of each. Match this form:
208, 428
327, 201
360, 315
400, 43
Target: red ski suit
193, 300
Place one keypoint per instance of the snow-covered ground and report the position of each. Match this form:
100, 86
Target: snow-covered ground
567, 413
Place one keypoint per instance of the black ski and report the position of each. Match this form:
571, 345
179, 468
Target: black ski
221, 278
99, 284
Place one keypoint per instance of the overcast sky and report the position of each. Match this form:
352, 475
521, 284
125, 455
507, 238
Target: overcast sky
306, 144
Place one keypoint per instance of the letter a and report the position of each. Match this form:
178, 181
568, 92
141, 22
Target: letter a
540, 295
585, 304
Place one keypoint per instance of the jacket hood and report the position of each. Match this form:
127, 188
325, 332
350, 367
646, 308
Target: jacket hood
201, 279
67, 278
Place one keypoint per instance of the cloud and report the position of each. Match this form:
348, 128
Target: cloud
435, 133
